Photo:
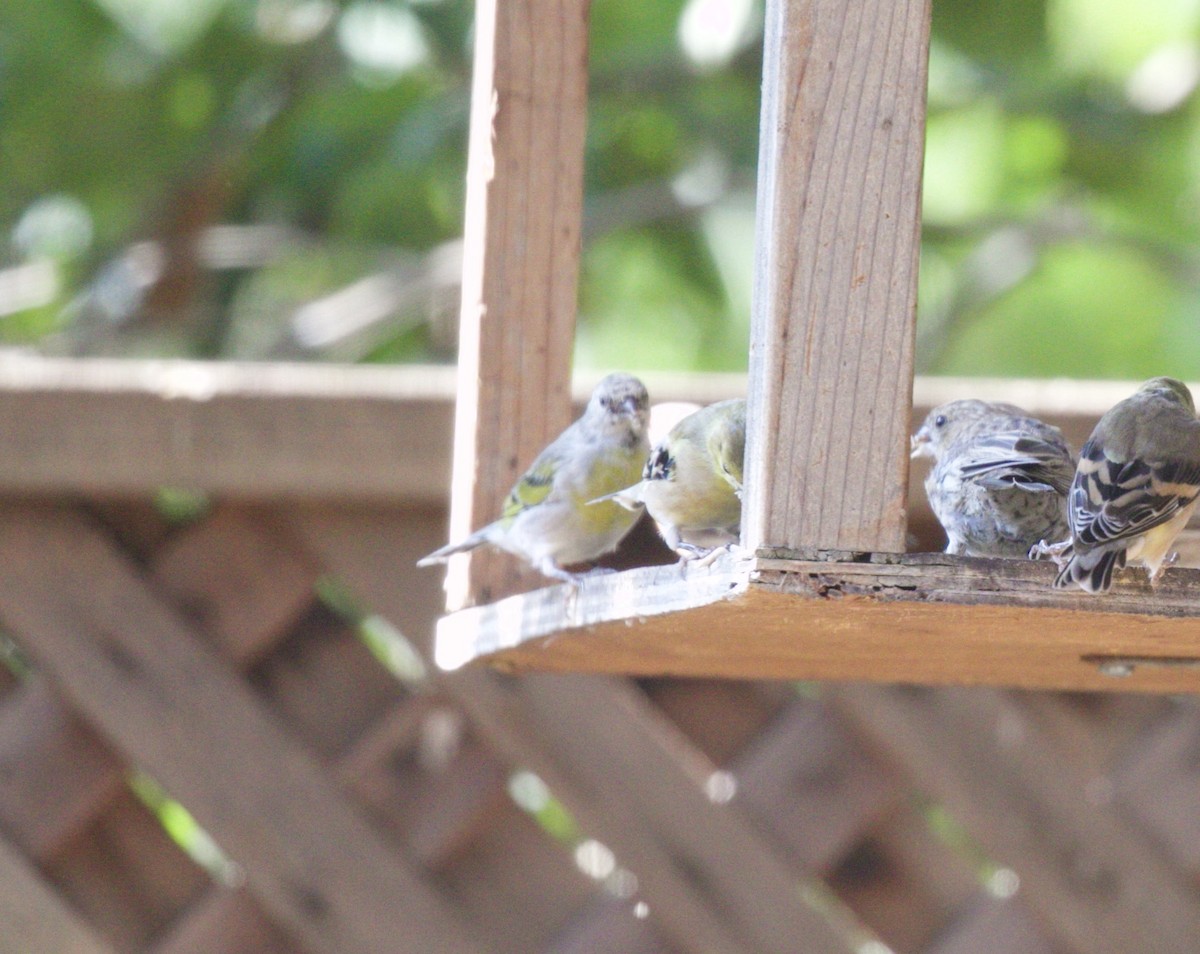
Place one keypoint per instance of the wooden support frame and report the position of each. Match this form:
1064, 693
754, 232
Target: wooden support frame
834, 313
520, 263
826, 592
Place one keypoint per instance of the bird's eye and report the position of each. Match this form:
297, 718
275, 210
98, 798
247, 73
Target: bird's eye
939, 421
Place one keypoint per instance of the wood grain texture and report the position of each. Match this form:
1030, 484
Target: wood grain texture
365, 435
833, 316
34, 917
139, 672
1084, 869
922, 618
521, 264
131, 427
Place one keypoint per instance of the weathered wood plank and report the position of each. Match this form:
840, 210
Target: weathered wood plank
520, 265
360, 434
34, 917
833, 317
247, 430
923, 618
136, 669
1086, 872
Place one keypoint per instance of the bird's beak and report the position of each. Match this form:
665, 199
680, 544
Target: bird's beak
919, 444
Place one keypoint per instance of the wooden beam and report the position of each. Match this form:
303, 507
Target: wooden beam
833, 317
922, 618
131, 427
521, 262
361, 434
143, 676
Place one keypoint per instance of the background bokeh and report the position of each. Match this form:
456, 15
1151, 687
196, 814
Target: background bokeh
283, 179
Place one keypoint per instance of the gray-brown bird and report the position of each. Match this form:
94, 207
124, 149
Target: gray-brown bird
1000, 477
1135, 488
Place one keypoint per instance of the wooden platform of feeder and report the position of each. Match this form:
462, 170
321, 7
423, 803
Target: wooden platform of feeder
919, 618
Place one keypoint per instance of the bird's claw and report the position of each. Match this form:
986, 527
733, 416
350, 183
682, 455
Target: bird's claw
1059, 552
1157, 573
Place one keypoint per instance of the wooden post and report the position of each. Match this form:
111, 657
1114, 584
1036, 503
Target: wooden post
836, 273
521, 264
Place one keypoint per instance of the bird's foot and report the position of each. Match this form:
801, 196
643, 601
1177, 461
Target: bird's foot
1060, 552
689, 554
1157, 572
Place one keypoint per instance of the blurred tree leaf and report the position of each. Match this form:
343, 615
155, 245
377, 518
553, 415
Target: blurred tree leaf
147, 143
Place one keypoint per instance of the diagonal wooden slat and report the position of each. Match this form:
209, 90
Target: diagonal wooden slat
127, 661
226, 921
34, 917
1087, 874
68, 775
711, 881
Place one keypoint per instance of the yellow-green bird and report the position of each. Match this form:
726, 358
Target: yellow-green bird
692, 481
1135, 487
546, 518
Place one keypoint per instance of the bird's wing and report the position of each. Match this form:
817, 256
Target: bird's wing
727, 449
533, 487
1114, 500
1012, 459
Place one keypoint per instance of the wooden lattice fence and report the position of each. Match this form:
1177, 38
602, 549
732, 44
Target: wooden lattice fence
220, 659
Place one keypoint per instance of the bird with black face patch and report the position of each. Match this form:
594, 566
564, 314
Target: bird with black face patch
1135, 488
692, 482
999, 480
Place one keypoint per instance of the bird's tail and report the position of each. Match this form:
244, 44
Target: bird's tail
1091, 571
444, 554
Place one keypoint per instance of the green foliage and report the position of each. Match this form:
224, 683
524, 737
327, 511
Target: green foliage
1062, 187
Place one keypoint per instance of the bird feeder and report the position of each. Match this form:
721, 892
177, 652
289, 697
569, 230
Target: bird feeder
827, 590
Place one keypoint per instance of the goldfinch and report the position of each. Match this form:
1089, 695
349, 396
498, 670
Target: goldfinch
546, 518
1135, 487
999, 480
692, 482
